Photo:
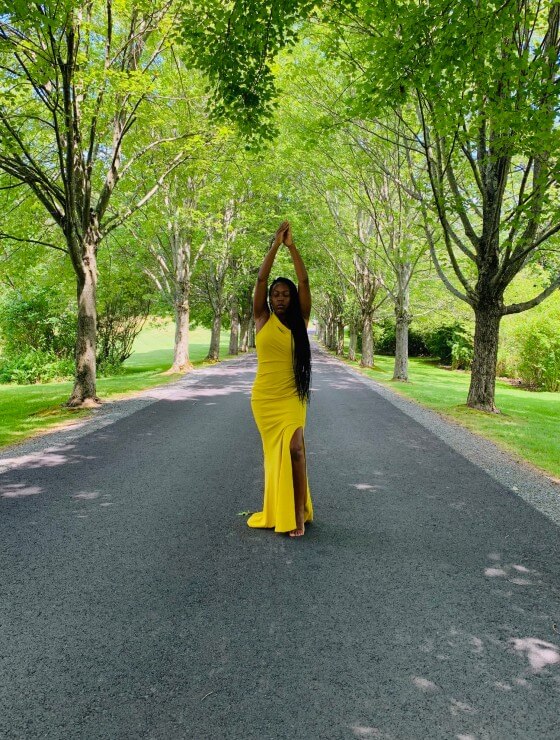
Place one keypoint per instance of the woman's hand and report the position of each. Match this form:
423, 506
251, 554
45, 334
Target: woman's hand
288, 238
279, 237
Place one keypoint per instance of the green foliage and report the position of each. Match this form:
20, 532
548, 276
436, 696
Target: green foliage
41, 320
122, 311
35, 366
386, 344
235, 45
462, 352
452, 344
539, 365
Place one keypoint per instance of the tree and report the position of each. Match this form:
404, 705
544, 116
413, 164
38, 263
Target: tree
483, 84
175, 245
76, 78
490, 115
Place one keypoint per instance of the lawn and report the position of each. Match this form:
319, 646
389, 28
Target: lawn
26, 410
528, 425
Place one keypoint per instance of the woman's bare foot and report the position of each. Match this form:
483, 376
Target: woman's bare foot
299, 531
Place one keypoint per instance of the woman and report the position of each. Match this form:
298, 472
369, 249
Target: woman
281, 391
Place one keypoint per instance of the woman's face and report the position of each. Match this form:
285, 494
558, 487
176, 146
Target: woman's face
280, 298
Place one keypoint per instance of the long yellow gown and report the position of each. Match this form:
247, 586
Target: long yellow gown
278, 412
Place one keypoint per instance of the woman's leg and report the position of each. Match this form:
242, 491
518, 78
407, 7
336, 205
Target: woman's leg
299, 474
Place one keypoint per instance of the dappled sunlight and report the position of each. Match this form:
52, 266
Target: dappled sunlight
539, 653
458, 505
343, 385
167, 393
47, 458
514, 573
13, 487
18, 490
362, 731
208, 385
485, 654
459, 707
87, 495
424, 684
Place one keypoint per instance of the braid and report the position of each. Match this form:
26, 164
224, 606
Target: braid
301, 350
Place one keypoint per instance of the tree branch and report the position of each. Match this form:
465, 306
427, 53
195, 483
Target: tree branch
519, 307
32, 241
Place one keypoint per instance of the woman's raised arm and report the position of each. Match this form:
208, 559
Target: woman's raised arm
260, 305
304, 291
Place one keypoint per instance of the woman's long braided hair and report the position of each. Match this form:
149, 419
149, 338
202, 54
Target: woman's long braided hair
301, 355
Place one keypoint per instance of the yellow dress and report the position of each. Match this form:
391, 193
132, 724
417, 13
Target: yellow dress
278, 412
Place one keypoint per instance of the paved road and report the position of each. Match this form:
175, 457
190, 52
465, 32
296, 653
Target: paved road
422, 603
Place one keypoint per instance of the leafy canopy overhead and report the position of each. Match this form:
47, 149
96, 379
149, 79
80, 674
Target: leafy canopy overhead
235, 43
473, 55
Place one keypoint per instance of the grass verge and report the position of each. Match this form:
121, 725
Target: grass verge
28, 410
528, 425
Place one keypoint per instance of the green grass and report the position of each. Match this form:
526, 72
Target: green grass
528, 425
26, 410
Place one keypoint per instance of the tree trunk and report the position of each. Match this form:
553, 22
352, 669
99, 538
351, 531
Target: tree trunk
331, 334
367, 341
340, 338
251, 333
402, 317
214, 351
400, 371
353, 341
244, 333
84, 391
234, 331
181, 359
483, 373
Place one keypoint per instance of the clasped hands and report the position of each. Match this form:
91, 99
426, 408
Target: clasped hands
283, 235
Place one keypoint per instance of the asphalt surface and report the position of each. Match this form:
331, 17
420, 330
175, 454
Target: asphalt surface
423, 602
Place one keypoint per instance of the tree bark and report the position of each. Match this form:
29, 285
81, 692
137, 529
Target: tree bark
251, 333
84, 392
331, 334
483, 373
353, 341
340, 338
234, 331
400, 371
244, 334
367, 341
181, 359
214, 351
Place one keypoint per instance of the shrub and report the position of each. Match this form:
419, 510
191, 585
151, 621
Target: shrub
41, 320
461, 353
35, 366
440, 342
120, 319
539, 365
386, 344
